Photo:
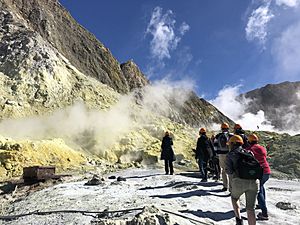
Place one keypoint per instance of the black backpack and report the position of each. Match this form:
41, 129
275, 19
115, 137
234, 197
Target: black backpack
222, 140
248, 167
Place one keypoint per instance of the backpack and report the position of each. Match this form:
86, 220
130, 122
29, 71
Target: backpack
222, 141
248, 167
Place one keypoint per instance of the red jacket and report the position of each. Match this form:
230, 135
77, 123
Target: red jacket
260, 153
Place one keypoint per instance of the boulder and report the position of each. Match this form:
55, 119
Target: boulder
285, 206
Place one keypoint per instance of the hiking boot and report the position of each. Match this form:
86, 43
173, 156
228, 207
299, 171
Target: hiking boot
224, 189
238, 221
260, 216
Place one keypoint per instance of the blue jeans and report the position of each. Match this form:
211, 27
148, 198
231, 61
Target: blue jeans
261, 197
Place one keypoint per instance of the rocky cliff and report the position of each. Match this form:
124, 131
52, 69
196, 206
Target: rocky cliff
74, 89
55, 25
280, 102
34, 33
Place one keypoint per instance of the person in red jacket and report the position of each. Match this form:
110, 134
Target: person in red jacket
260, 153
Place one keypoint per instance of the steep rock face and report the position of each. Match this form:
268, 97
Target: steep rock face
35, 78
195, 108
80, 47
280, 102
133, 75
41, 74
35, 34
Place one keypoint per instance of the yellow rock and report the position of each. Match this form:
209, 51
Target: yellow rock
40, 153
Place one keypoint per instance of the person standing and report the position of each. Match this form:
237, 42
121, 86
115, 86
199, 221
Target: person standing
260, 153
203, 153
215, 159
240, 186
238, 130
222, 150
167, 153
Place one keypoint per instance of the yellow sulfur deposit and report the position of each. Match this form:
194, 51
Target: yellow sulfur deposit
14, 155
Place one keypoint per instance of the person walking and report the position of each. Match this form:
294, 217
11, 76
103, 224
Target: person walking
260, 153
240, 186
222, 150
215, 159
203, 153
238, 130
167, 153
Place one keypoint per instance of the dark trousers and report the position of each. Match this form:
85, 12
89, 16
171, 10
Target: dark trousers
169, 164
203, 168
261, 197
217, 167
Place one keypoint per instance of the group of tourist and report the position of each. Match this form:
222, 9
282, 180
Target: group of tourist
238, 158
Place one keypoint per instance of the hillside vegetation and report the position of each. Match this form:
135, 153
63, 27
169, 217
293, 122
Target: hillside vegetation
284, 152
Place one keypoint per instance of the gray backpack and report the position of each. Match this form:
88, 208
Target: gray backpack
222, 141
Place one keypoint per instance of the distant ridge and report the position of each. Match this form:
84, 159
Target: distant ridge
280, 102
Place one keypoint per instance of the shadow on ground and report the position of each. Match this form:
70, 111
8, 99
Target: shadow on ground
215, 216
145, 176
183, 184
192, 193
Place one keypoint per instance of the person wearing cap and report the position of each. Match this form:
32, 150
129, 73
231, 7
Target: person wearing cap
220, 143
203, 153
240, 186
238, 130
260, 153
167, 153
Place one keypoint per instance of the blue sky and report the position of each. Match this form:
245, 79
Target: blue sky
209, 42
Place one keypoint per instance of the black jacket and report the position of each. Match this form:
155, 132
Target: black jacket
241, 133
167, 152
204, 149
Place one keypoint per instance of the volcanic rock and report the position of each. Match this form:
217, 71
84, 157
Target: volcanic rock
285, 206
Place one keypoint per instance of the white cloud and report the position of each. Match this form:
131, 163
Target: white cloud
236, 109
258, 22
159, 96
256, 121
183, 59
282, 17
286, 50
289, 3
227, 102
184, 28
162, 29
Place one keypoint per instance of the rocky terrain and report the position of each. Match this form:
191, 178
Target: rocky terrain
51, 23
284, 152
107, 110
74, 90
145, 196
67, 102
280, 103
